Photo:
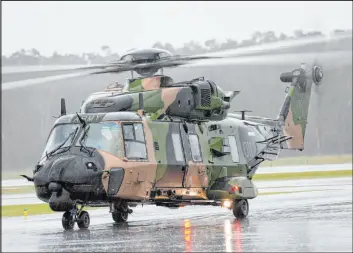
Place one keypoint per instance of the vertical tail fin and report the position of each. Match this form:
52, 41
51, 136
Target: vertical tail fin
294, 111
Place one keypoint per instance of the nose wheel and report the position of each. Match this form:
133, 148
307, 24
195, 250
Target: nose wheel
75, 215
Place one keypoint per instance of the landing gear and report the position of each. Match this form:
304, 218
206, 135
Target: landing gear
75, 215
240, 208
68, 220
120, 212
119, 217
83, 220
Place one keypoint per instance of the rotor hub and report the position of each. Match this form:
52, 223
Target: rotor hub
317, 74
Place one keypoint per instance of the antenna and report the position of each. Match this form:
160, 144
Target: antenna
141, 106
243, 113
63, 107
141, 101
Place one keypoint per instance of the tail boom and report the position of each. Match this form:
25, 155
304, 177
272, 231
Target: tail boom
294, 112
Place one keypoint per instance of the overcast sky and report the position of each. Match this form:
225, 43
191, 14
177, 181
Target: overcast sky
76, 27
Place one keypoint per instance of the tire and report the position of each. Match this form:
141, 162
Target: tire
67, 221
120, 217
83, 220
240, 208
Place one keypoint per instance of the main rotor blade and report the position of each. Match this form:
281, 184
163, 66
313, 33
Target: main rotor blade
35, 81
322, 43
330, 59
308, 47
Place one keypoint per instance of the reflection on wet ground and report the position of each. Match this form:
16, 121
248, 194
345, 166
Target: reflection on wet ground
310, 221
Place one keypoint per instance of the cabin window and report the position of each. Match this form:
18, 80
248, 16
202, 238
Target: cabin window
178, 151
195, 148
226, 147
135, 144
233, 148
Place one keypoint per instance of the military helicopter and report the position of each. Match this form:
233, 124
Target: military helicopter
165, 143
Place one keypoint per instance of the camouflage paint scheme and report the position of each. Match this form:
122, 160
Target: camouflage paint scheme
200, 101
296, 118
216, 173
195, 148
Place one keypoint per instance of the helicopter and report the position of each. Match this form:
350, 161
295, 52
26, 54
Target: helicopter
159, 142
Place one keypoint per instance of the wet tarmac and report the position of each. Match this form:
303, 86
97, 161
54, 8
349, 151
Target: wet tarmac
305, 221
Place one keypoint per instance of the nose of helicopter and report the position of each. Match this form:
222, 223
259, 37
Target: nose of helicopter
71, 169
67, 177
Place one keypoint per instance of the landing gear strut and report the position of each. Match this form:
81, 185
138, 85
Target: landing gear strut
120, 212
75, 215
240, 208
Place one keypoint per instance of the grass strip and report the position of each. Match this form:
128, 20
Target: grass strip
17, 189
276, 193
308, 160
303, 175
32, 209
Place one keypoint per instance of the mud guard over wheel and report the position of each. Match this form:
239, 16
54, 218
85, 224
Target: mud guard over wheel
240, 208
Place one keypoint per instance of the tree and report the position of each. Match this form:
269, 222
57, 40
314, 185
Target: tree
283, 36
229, 44
106, 50
314, 33
192, 47
170, 48
158, 45
35, 52
298, 34
212, 45
257, 37
269, 36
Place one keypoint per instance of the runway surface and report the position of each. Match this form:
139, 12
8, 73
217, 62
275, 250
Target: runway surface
319, 220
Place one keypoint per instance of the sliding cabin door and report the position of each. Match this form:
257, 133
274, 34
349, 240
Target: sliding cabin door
171, 173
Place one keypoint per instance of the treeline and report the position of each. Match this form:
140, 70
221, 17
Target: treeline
33, 56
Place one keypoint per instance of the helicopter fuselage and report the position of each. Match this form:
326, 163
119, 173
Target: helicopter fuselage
148, 160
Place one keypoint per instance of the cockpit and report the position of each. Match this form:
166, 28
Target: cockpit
126, 139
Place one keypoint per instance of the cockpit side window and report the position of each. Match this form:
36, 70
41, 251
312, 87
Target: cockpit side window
135, 143
105, 136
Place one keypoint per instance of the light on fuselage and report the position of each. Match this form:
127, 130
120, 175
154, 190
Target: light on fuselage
227, 204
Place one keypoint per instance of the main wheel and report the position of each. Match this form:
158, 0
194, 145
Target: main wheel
120, 216
68, 221
83, 220
240, 208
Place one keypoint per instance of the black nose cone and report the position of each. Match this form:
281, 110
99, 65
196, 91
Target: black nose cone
73, 168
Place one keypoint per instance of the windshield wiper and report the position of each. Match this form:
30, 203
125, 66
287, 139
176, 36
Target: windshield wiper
62, 144
82, 139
